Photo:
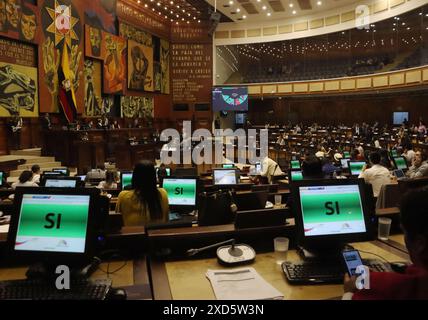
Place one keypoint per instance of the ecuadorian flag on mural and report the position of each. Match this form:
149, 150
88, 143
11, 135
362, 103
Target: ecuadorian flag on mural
66, 96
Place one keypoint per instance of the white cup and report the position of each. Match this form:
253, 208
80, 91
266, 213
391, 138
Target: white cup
280, 245
384, 227
278, 199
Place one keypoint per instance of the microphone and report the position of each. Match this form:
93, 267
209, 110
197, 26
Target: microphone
192, 252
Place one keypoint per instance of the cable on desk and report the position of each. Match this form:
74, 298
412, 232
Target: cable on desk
374, 254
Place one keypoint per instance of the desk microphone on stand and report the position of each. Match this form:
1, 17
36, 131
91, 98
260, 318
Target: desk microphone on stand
229, 255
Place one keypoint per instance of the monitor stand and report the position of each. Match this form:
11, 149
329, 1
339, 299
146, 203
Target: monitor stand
47, 271
332, 254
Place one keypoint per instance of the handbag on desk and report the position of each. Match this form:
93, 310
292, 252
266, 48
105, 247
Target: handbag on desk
216, 208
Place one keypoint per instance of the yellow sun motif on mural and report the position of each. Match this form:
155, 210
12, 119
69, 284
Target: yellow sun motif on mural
63, 23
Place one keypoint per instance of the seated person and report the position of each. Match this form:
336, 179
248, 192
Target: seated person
270, 169
413, 283
162, 173
312, 168
419, 166
328, 168
24, 180
377, 175
110, 182
145, 203
35, 169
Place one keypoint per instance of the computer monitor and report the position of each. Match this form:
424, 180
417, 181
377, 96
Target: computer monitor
356, 167
331, 211
394, 153
52, 173
346, 154
2, 176
344, 163
181, 191
228, 165
126, 180
258, 167
224, 177
64, 171
167, 170
400, 163
53, 224
295, 175
61, 182
295, 165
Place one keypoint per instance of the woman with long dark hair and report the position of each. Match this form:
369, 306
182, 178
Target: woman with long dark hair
146, 202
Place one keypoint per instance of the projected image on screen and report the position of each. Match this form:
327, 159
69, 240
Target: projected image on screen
224, 177
181, 192
399, 117
230, 99
330, 210
53, 223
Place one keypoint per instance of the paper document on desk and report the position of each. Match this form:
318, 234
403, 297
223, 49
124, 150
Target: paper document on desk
241, 284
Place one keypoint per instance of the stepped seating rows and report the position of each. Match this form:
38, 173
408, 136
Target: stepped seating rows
31, 157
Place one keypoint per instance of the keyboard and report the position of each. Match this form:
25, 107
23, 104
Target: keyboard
41, 290
320, 273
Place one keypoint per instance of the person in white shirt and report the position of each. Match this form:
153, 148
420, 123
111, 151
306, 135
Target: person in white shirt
35, 169
24, 180
110, 182
377, 175
270, 169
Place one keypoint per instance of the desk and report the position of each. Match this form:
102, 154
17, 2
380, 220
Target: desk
187, 281
133, 277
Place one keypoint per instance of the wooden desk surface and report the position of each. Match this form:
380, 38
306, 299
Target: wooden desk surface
187, 280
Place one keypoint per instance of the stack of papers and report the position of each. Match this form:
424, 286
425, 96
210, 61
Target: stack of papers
241, 284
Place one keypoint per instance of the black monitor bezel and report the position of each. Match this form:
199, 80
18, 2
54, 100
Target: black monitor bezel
323, 241
349, 167
55, 257
237, 176
405, 161
197, 191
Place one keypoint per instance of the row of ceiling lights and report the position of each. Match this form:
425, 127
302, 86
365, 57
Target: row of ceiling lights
264, 8
172, 11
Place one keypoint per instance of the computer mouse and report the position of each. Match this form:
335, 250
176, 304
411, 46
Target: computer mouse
399, 266
117, 294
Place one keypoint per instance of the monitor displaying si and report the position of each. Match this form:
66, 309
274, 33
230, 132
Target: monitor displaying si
394, 153
224, 177
344, 163
2, 176
63, 171
296, 175
356, 167
53, 223
228, 166
181, 191
331, 210
126, 180
61, 183
295, 164
400, 163
346, 154
230, 99
399, 117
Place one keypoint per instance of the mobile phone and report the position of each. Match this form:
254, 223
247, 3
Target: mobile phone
352, 260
